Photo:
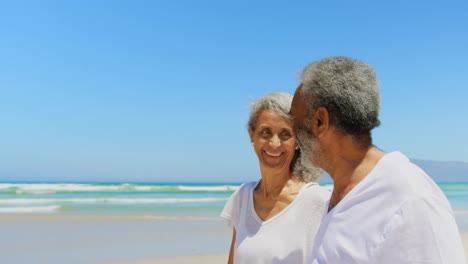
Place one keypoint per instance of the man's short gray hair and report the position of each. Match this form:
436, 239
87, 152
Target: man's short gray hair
347, 88
280, 104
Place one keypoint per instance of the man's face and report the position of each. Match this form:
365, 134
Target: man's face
298, 109
307, 141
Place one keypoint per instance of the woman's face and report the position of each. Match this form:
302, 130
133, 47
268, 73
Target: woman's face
273, 140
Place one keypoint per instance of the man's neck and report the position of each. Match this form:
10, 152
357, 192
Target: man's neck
350, 168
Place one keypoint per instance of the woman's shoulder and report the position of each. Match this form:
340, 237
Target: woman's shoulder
246, 188
313, 190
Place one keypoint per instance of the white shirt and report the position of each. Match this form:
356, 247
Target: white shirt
396, 214
285, 238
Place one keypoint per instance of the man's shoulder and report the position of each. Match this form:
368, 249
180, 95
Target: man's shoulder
397, 174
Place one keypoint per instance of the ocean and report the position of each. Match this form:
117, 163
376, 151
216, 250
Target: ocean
159, 200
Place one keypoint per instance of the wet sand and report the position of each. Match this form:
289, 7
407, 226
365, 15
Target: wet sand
118, 239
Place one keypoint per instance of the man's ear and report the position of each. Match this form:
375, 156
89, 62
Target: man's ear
320, 122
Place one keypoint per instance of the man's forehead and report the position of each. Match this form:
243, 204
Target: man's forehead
296, 99
298, 90
298, 109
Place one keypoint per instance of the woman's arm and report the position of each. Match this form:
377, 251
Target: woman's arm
231, 251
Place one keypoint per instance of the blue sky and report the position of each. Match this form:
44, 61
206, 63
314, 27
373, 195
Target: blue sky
160, 90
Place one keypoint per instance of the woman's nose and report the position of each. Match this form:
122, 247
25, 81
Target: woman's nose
275, 141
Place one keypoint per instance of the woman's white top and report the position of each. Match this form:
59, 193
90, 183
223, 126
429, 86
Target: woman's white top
286, 237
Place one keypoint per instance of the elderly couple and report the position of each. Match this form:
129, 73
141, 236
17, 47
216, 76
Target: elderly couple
383, 208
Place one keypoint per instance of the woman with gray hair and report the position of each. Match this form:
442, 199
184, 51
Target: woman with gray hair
275, 219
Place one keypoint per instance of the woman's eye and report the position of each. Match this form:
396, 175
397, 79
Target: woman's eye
265, 133
286, 135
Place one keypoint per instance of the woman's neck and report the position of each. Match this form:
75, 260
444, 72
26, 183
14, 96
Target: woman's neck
273, 183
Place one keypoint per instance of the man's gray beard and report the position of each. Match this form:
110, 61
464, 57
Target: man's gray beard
308, 145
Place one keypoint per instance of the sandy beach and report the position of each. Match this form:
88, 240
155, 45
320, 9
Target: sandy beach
465, 244
203, 259
116, 239
215, 259
78, 239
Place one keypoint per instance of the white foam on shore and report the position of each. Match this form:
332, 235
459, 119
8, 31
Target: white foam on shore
40, 188
222, 188
110, 201
36, 209
22, 188
37, 192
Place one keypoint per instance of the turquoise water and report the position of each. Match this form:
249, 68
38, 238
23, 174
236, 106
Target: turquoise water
165, 199
156, 199
457, 193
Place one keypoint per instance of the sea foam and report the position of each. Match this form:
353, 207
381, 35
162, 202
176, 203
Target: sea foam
30, 209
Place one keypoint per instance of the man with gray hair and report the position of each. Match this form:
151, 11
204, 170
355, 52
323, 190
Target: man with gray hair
383, 209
